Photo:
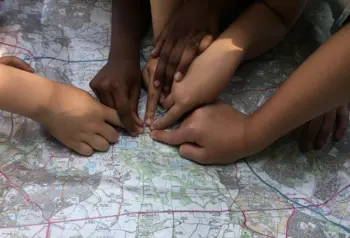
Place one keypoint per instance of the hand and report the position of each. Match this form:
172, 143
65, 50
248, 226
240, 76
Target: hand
16, 63
214, 134
184, 97
313, 135
188, 33
118, 86
78, 121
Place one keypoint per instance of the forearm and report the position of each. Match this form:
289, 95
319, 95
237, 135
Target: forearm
129, 18
24, 93
256, 31
263, 25
320, 84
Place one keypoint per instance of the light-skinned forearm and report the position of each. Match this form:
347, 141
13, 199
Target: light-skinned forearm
262, 26
129, 18
24, 93
320, 84
256, 31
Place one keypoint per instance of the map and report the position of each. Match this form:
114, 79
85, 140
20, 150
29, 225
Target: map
141, 188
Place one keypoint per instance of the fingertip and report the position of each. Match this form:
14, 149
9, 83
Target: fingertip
86, 151
156, 83
148, 121
339, 135
140, 130
153, 134
115, 138
320, 144
178, 76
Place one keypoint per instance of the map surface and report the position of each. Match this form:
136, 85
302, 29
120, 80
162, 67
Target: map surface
140, 188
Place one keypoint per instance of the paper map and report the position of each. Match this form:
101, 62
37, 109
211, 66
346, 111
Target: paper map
140, 188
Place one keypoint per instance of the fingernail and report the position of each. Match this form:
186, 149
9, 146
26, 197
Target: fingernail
178, 76
140, 130
148, 121
156, 83
153, 51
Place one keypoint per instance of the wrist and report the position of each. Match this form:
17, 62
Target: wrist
258, 132
124, 51
43, 112
257, 138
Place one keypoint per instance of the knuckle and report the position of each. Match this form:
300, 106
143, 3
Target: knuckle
193, 128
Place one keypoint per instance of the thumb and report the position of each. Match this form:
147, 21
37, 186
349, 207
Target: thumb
205, 43
193, 152
111, 116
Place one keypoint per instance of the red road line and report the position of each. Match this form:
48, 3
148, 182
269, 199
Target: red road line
326, 201
39, 231
1, 173
48, 230
15, 46
155, 212
176, 211
246, 226
244, 219
289, 219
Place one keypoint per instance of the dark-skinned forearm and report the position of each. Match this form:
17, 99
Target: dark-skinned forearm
130, 20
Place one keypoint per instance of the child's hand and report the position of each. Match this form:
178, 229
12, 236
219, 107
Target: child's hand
314, 134
118, 86
16, 62
214, 134
188, 33
79, 121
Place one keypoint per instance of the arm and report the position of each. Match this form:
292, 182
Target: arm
262, 26
23, 93
319, 85
69, 114
129, 20
118, 83
257, 30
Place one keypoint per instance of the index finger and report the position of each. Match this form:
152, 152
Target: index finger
170, 118
153, 96
176, 137
122, 105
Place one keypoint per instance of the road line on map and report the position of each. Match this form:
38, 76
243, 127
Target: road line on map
309, 207
246, 226
39, 231
289, 219
17, 47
